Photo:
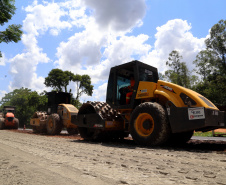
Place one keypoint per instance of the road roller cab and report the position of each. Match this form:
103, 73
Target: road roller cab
119, 85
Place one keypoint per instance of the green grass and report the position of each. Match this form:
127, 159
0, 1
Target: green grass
207, 134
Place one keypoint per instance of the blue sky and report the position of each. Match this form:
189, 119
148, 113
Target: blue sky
91, 36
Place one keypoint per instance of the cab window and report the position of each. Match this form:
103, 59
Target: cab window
147, 75
122, 83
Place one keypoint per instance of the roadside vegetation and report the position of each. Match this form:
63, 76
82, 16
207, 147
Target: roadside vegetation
209, 134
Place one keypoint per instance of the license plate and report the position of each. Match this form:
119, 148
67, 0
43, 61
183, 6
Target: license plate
196, 113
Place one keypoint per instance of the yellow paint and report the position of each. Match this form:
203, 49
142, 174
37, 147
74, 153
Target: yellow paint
126, 112
146, 90
163, 91
35, 122
65, 111
139, 124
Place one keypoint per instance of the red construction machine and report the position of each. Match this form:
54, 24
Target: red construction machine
7, 118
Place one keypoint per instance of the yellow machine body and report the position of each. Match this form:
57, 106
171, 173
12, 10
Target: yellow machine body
166, 91
35, 122
66, 111
149, 109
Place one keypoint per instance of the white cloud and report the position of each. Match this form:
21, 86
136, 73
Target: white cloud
2, 60
2, 94
83, 52
99, 94
124, 48
117, 15
174, 35
94, 50
82, 49
23, 70
41, 18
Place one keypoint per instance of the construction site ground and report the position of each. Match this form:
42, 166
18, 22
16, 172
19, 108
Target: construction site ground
27, 158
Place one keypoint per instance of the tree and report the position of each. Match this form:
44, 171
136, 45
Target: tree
204, 64
83, 85
217, 41
161, 76
179, 73
59, 80
26, 101
13, 32
211, 65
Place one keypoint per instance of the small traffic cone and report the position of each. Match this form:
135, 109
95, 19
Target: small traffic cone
24, 127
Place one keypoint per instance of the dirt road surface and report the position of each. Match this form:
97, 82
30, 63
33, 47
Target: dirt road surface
38, 159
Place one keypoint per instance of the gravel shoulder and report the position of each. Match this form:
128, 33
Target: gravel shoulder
38, 159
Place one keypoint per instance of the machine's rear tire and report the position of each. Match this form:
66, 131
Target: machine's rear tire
72, 131
2, 124
180, 138
148, 124
54, 125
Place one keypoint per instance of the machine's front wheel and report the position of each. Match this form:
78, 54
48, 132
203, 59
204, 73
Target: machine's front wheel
54, 125
148, 124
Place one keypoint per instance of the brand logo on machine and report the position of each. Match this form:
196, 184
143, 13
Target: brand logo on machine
167, 88
196, 113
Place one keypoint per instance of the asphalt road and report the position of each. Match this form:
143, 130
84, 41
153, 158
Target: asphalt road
209, 138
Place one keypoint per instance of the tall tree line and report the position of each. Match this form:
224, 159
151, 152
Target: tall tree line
211, 65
